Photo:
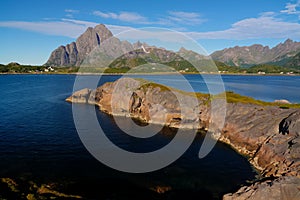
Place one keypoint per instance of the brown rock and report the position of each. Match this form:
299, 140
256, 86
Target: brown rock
267, 135
81, 96
286, 188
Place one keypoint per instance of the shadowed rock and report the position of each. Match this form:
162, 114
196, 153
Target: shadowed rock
291, 124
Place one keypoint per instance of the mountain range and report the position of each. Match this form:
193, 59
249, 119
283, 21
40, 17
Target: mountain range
119, 54
255, 54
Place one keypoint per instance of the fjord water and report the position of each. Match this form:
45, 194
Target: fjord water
39, 142
266, 88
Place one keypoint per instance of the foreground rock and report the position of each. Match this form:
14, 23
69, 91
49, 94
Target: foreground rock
285, 188
267, 135
20, 189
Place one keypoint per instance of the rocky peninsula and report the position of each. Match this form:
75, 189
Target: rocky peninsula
266, 133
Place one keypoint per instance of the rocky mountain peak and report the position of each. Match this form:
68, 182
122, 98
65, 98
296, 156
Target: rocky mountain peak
288, 41
183, 50
73, 54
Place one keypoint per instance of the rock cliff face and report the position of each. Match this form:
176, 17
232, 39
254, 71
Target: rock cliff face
73, 54
267, 135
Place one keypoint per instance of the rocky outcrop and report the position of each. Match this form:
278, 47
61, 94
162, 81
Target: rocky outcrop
149, 102
285, 188
73, 54
267, 135
21, 189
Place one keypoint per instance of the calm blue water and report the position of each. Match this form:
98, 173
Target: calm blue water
38, 140
267, 88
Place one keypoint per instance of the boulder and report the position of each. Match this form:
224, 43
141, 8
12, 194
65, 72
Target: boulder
282, 101
80, 96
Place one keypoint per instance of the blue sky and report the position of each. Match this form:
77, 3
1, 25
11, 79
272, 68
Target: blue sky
30, 30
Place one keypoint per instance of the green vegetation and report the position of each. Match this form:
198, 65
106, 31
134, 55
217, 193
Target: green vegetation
127, 63
17, 68
237, 98
294, 63
146, 84
226, 68
231, 97
181, 65
141, 65
267, 69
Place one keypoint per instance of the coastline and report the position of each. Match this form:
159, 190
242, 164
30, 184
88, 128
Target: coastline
159, 73
262, 142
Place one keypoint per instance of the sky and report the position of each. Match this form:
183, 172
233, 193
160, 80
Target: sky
30, 30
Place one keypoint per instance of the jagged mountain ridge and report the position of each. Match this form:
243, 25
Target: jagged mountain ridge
74, 53
257, 54
116, 53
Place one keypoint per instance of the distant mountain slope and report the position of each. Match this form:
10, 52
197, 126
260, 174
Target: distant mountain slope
294, 62
117, 54
291, 62
257, 54
129, 55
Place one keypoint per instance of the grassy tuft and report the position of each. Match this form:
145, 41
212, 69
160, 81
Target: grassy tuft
237, 98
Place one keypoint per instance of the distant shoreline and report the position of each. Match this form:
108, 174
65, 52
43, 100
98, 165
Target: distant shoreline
159, 73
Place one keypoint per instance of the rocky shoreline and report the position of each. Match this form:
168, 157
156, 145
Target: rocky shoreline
267, 135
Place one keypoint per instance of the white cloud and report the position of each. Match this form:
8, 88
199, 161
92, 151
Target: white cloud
254, 28
71, 11
264, 26
189, 18
80, 22
267, 14
118, 29
65, 27
172, 18
291, 8
123, 16
105, 15
127, 33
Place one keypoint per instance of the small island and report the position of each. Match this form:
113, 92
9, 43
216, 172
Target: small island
266, 133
